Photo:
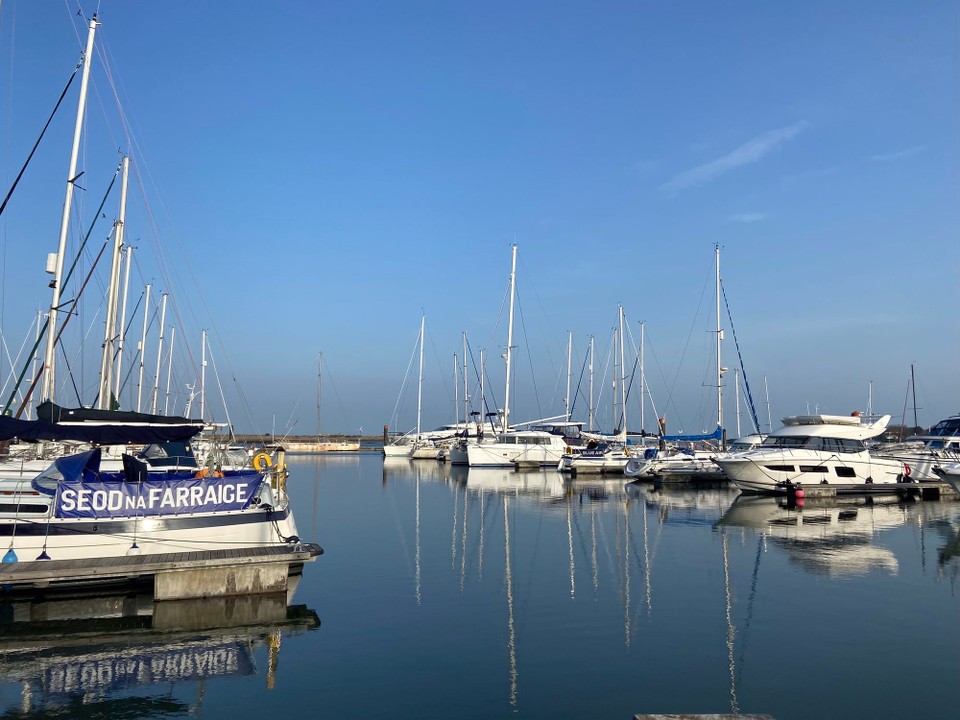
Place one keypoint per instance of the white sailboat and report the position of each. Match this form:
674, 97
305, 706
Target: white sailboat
321, 445
510, 448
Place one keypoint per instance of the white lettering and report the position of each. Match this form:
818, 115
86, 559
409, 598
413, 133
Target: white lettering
168, 500
68, 500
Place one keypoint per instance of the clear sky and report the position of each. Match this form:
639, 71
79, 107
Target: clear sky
312, 176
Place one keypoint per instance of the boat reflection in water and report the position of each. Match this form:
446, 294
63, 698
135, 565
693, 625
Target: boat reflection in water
120, 654
826, 535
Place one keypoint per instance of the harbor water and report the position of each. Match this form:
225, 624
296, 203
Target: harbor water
453, 593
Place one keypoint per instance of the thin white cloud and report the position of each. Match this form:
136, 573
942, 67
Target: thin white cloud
747, 217
750, 152
899, 154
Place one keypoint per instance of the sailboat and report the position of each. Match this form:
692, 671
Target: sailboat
689, 464
515, 448
79, 508
607, 457
322, 445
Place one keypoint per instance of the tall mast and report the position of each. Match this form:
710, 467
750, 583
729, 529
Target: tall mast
156, 376
143, 343
49, 380
720, 369
456, 390
591, 411
913, 388
509, 354
166, 398
123, 321
566, 402
423, 321
623, 389
319, 374
466, 389
483, 404
766, 394
203, 373
110, 326
643, 379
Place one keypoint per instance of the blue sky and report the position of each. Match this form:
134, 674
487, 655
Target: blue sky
311, 176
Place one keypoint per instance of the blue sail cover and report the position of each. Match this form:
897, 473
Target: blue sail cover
83, 492
111, 434
715, 435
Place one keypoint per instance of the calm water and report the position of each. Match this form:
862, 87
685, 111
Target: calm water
490, 594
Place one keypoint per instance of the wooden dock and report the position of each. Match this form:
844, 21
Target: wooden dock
208, 573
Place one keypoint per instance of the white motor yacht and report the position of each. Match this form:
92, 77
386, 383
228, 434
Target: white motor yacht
816, 450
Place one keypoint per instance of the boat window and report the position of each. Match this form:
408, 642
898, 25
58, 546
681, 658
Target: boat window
784, 442
950, 426
780, 468
814, 469
23, 509
852, 446
845, 472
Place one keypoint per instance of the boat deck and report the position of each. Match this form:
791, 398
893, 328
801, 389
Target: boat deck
55, 573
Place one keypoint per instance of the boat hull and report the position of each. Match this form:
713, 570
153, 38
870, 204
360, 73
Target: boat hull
775, 471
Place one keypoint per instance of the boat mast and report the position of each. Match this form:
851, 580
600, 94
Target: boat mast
128, 250
766, 394
319, 366
203, 375
49, 381
720, 368
143, 343
156, 377
643, 379
913, 389
566, 401
423, 320
508, 356
590, 413
623, 389
456, 390
466, 390
166, 399
110, 326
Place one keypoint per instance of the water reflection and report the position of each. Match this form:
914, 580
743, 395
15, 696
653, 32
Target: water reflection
825, 536
119, 653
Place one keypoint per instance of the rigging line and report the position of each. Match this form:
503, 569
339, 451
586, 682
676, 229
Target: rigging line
23, 169
683, 354
66, 280
526, 342
63, 326
394, 418
123, 384
487, 387
223, 398
343, 408
583, 370
443, 374
11, 361
743, 370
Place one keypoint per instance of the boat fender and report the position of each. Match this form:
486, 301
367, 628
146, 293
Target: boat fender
261, 461
906, 470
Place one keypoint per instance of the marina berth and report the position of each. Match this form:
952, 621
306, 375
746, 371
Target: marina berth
817, 450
